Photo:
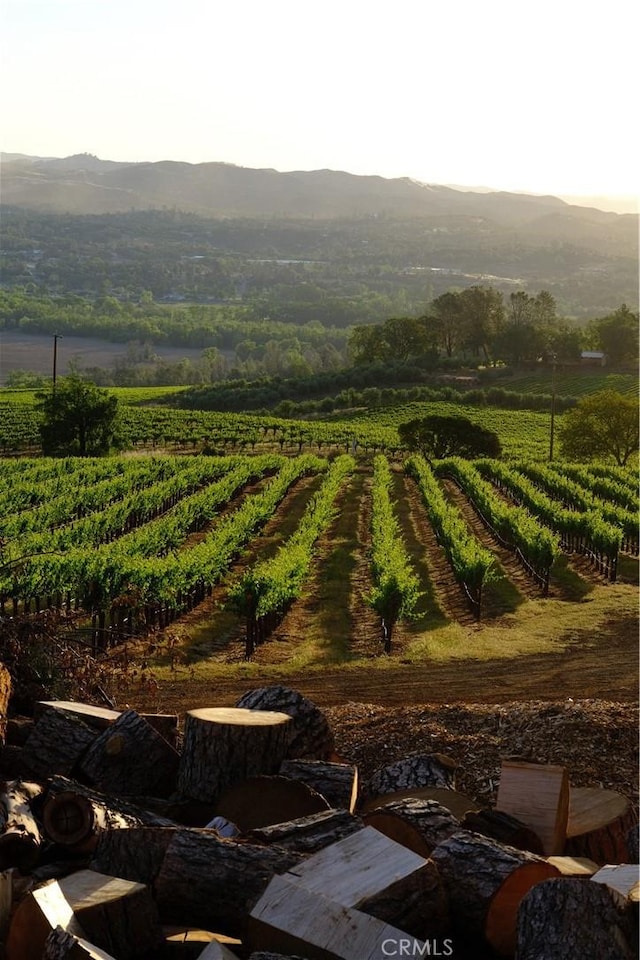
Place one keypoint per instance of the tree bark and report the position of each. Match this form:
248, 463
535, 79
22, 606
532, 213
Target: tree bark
456, 803
133, 854
311, 736
56, 743
569, 918
337, 782
225, 746
503, 827
599, 825
309, 834
420, 770
75, 816
131, 758
20, 840
213, 883
486, 881
419, 825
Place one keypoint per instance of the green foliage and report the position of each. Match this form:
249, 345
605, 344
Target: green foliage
617, 335
396, 588
78, 419
436, 437
602, 425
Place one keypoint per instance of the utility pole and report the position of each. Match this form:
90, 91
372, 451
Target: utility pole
554, 358
56, 337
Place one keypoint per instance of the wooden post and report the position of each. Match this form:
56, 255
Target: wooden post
223, 746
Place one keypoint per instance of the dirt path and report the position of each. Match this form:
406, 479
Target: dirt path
596, 665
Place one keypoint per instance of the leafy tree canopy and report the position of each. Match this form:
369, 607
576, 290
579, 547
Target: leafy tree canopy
79, 419
437, 437
601, 425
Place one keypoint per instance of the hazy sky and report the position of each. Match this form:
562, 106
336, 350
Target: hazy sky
537, 96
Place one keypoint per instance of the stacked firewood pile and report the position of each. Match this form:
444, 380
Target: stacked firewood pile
243, 835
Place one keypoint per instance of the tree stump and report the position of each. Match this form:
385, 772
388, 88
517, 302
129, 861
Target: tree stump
338, 782
75, 816
419, 825
118, 916
311, 736
570, 918
131, 758
20, 840
213, 883
223, 746
280, 800
503, 827
486, 881
418, 770
309, 834
456, 803
599, 825
56, 743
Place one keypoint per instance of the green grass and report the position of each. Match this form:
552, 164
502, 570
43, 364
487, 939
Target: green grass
128, 395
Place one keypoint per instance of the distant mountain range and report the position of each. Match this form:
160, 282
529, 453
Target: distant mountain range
85, 184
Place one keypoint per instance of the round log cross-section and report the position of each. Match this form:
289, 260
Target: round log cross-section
224, 745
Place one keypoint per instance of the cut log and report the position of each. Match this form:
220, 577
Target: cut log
118, 916
599, 825
289, 919
5, 694
213, 883
217, 951
311, 737
309, 834
624, 879
279, 800
570, 918
75, 816
20, 840
419, 825
538, 795
486, 881
418, 770
338, 782
456, 803
188, 943
166, 724
56, 743
61, 945
574, 866
503, 827
224, 746
131, 758
369, 872
134, 854
97, 717
6, 901
18, 730
13, 765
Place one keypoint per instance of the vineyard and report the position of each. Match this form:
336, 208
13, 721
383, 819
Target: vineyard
126, 547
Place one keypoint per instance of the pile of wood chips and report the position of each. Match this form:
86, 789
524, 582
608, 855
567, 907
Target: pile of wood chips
596, 740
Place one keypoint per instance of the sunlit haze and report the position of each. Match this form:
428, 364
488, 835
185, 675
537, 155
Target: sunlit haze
531, 97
